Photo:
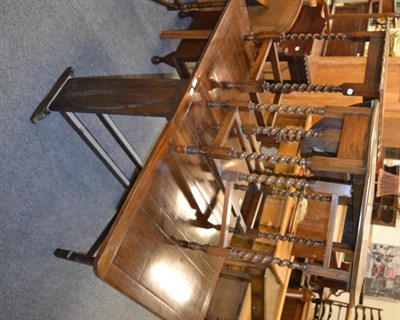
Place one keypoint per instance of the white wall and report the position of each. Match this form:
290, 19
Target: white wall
388, 236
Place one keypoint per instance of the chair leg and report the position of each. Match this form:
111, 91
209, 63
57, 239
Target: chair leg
186, 14
167, 59
169, 5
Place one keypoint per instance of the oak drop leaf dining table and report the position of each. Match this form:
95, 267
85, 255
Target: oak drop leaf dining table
179, 195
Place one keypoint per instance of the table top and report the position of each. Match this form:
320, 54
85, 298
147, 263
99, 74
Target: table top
178, 195
360, 253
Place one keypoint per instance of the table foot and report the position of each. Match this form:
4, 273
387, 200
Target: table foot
74, 256
44, 107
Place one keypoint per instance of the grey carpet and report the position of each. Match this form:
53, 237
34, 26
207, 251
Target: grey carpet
54, 192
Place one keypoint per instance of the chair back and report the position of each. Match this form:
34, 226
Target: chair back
279, 17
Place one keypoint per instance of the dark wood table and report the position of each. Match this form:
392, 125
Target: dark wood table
178, 195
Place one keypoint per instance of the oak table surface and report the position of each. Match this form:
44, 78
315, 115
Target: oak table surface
178, 195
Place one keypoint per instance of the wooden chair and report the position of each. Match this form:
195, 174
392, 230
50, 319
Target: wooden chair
278, 17
218, 152
337, 191
295, 53
189, 50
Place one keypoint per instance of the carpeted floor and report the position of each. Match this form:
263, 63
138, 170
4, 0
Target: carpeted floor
54, 192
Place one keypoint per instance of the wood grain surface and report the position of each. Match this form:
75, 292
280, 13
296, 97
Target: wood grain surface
178, 195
